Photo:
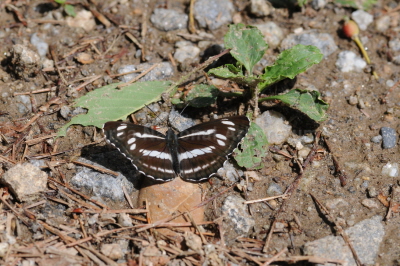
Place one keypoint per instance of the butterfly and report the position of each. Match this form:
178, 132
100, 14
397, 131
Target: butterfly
194, 154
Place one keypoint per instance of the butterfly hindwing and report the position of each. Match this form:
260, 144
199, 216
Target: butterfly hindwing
195, 153
143, 146
204, 148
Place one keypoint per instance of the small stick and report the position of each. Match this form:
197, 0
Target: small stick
192, 28
55, 59
138, 77
342, 173
87, 82
127, 196
134, 40
36, 91
266, 199
99, 169
39, 139
134, 211
274, 258
126, 73
203, 239
339, 229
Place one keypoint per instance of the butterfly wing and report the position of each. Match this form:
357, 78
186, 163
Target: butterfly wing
146, 148
204, 148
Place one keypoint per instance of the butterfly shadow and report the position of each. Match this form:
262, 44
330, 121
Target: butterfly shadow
112, 159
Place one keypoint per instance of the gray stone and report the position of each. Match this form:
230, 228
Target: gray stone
65, 111
318, 4
382, 23
213, 14
272, 33
180, 122
229, 172
164, 70
24, 104
24, 61
113, 251
274, 126
101, 185
186, 51
260, 8
274, 190
389, 137
25, 181
237, 221
323, 41
362, 18
348, 61
41, 46
365, 237
168, 19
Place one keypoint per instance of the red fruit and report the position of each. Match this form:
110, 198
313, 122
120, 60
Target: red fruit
350, 29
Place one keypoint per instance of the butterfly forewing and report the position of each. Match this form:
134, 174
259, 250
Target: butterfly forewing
146, 148
204, 148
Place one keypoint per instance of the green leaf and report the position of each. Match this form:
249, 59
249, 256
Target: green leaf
308, 102
202, 95
70, 10
60, 1
290, 63
109, 103
253, 148
247, 45
235, 74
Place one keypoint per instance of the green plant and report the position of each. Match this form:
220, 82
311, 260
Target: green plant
69, 9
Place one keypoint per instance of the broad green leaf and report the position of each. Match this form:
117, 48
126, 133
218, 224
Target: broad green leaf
253, 148
202, 95
247, 45
290, 63
308, 102
109, 103
60, 1
70, 10
229, 72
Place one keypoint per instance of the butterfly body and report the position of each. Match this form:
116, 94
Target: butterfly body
194, 154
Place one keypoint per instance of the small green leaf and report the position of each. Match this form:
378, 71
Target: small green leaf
202, 95
308, 102
290, 63
227, 71
231, 72
247, 45
109, 103
60, 1
70, 10
253, 148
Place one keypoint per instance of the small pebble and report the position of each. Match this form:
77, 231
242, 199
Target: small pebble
213, 14
348, 61
353, 100
273, 34
376, 139
390, 169
113, 251
168, 19
372, 192
274, 190
389, 137
260, 8
370, 203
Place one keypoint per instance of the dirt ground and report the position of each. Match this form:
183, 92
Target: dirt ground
350, 129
